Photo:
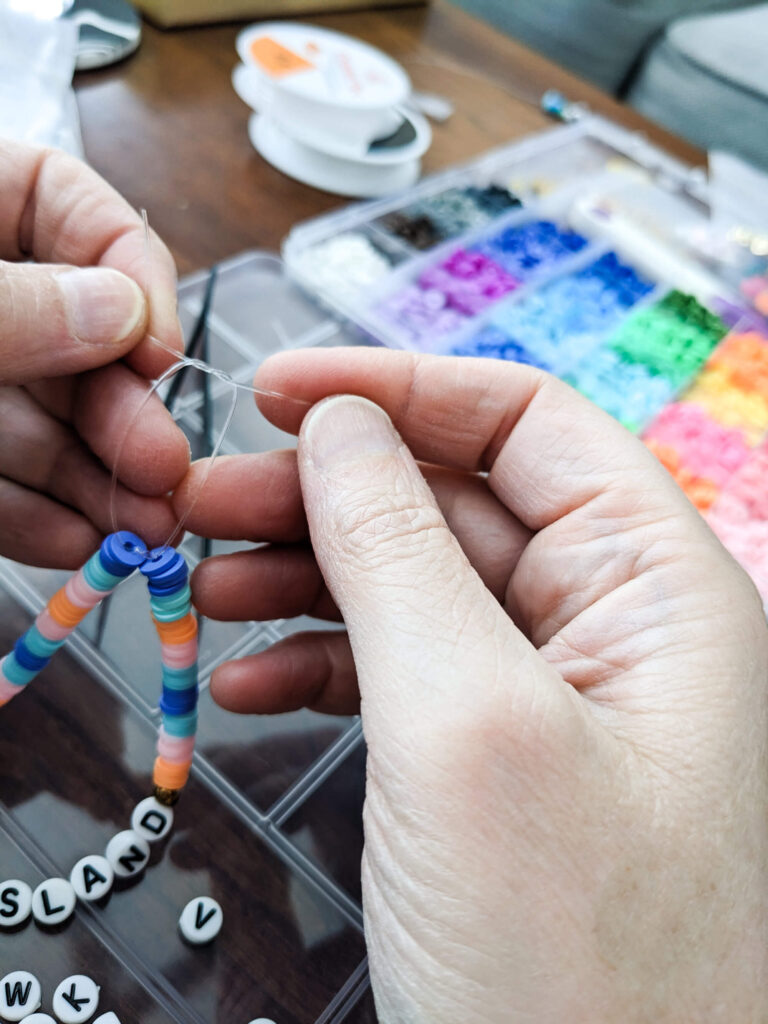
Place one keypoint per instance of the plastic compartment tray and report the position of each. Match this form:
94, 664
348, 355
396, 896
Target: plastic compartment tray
292, 947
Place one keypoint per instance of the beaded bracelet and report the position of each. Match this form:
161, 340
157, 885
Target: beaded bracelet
167, 577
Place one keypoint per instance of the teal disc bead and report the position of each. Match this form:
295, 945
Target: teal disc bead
180, 678
171, 614
40, 645
15, 673
180, 725
97, 576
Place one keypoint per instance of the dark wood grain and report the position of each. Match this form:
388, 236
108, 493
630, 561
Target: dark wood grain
167, 129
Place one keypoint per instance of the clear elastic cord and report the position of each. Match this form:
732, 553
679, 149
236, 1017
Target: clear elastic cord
181, 362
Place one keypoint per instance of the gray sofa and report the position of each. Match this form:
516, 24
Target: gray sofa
697, 66
707, 79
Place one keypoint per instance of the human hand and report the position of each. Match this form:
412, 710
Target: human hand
564, 689
66, 398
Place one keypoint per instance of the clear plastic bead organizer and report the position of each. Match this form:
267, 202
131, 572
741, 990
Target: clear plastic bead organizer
270, 824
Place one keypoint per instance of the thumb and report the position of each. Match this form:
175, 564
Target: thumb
58, 320
429, 640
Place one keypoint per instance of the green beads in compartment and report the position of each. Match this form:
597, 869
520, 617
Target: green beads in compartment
673, 337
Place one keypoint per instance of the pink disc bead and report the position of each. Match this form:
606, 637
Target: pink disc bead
179, 655
176, 749
81, 593
8, 690
50, 628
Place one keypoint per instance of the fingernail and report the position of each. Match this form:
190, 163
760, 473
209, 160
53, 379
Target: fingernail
103, 307
346, 427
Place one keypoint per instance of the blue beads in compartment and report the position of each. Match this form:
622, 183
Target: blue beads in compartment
630, 392
492, 342
524, 249
555, 325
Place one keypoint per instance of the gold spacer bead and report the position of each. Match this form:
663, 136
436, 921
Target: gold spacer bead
166, 796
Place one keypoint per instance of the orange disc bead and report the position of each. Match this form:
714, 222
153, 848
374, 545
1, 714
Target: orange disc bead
64, 612
178, 632
169, 776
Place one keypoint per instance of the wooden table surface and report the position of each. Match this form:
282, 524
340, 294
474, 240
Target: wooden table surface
168, 131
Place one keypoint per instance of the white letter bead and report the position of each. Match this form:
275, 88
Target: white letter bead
92, 878
152, 820
107, 1018
15, 903
53, 901
20, 995
76, 999
38, 1018
127, 853
201, 920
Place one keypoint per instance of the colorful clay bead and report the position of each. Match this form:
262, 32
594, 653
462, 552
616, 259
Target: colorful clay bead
121, 553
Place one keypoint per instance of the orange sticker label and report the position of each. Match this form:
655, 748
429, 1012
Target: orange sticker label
276, 59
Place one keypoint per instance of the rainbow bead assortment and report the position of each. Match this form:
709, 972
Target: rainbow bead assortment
714, 441
167, 577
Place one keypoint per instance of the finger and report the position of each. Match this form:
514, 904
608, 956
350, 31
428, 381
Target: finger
551, 456
267, 583
57, 320
58, 210
131, 433
313, 670
257, 497
546, 448
44, 455
60, 538
420, 620
244, 497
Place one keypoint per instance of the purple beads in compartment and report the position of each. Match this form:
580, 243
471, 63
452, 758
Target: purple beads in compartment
526, 248
446, 296
470, 281
423, 315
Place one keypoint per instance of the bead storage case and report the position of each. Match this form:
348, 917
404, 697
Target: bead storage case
269, 824
574, 251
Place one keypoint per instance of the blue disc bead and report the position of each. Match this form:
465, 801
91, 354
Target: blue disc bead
178, 702
27, 659
166, 571
122, 552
